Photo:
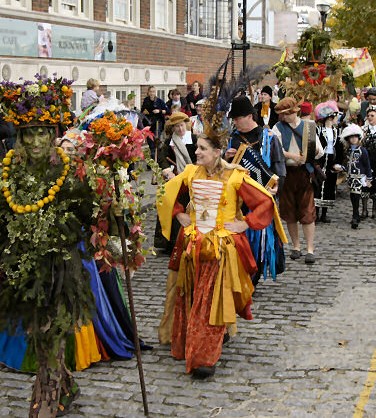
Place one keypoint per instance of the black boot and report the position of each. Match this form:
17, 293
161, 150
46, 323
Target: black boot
354, 223
364, 214
203, 372
317, 215
323, 218
355, 199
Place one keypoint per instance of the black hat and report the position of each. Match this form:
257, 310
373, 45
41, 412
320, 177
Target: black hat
267, 90
371, 91
241, 106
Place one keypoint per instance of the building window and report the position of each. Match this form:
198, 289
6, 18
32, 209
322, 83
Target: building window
19, 4
123, 11
121, 95
77, 8
209, 18
164, 15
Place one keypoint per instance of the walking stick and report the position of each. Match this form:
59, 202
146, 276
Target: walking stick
156, 143
121, 226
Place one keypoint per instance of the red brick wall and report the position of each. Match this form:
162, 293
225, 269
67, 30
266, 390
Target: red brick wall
145, 14
200, 60
100, 10
180, 16
40, 6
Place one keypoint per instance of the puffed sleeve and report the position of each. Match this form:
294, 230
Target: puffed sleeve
167, 205
260, 204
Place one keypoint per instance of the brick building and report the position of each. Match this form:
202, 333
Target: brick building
126, 44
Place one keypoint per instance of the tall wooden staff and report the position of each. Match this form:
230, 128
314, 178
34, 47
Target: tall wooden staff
121, 226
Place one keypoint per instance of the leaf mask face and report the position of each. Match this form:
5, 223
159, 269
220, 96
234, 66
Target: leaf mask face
37, 142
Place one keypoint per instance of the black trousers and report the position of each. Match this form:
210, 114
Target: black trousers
355, 200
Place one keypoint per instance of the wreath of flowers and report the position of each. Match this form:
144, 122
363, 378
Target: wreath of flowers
315, 74
44, 100
111, 145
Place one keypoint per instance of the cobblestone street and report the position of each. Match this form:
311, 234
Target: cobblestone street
307, 353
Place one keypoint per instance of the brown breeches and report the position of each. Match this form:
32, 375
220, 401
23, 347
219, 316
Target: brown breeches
297, 199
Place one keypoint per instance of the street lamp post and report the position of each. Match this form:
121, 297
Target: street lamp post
323, 9
242, 45
244, 35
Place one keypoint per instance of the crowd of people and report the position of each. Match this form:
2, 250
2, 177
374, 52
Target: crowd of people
229, 179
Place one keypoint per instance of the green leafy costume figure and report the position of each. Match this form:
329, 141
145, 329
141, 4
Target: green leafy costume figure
44, 212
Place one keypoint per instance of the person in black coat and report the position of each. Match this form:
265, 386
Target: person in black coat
194, 96
266, 115
155, 109
176, 99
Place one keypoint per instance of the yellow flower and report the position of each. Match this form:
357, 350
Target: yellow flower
45, 200
59, 182
50, 198
7, 161
34, 208
52, 108
9, 199
64, 89
44, 88
40, 203
28, 208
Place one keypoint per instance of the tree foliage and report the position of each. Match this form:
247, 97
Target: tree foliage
354, 21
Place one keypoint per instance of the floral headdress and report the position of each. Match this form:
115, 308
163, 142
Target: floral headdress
44, 101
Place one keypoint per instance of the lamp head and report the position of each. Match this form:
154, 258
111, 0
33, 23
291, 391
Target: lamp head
323, 8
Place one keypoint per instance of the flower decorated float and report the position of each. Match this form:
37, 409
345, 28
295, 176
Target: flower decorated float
312, 71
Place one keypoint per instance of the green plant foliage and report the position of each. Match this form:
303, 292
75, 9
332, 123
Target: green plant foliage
354, 21
46, 288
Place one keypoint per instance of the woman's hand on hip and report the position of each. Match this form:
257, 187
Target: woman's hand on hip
237, 226
184, 219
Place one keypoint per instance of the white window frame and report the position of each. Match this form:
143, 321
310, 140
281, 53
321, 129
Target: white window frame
165, 90
133, 10
21, 4
122, 92
169, 18
57, 7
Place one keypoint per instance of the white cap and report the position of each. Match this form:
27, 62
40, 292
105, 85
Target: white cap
352, 130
